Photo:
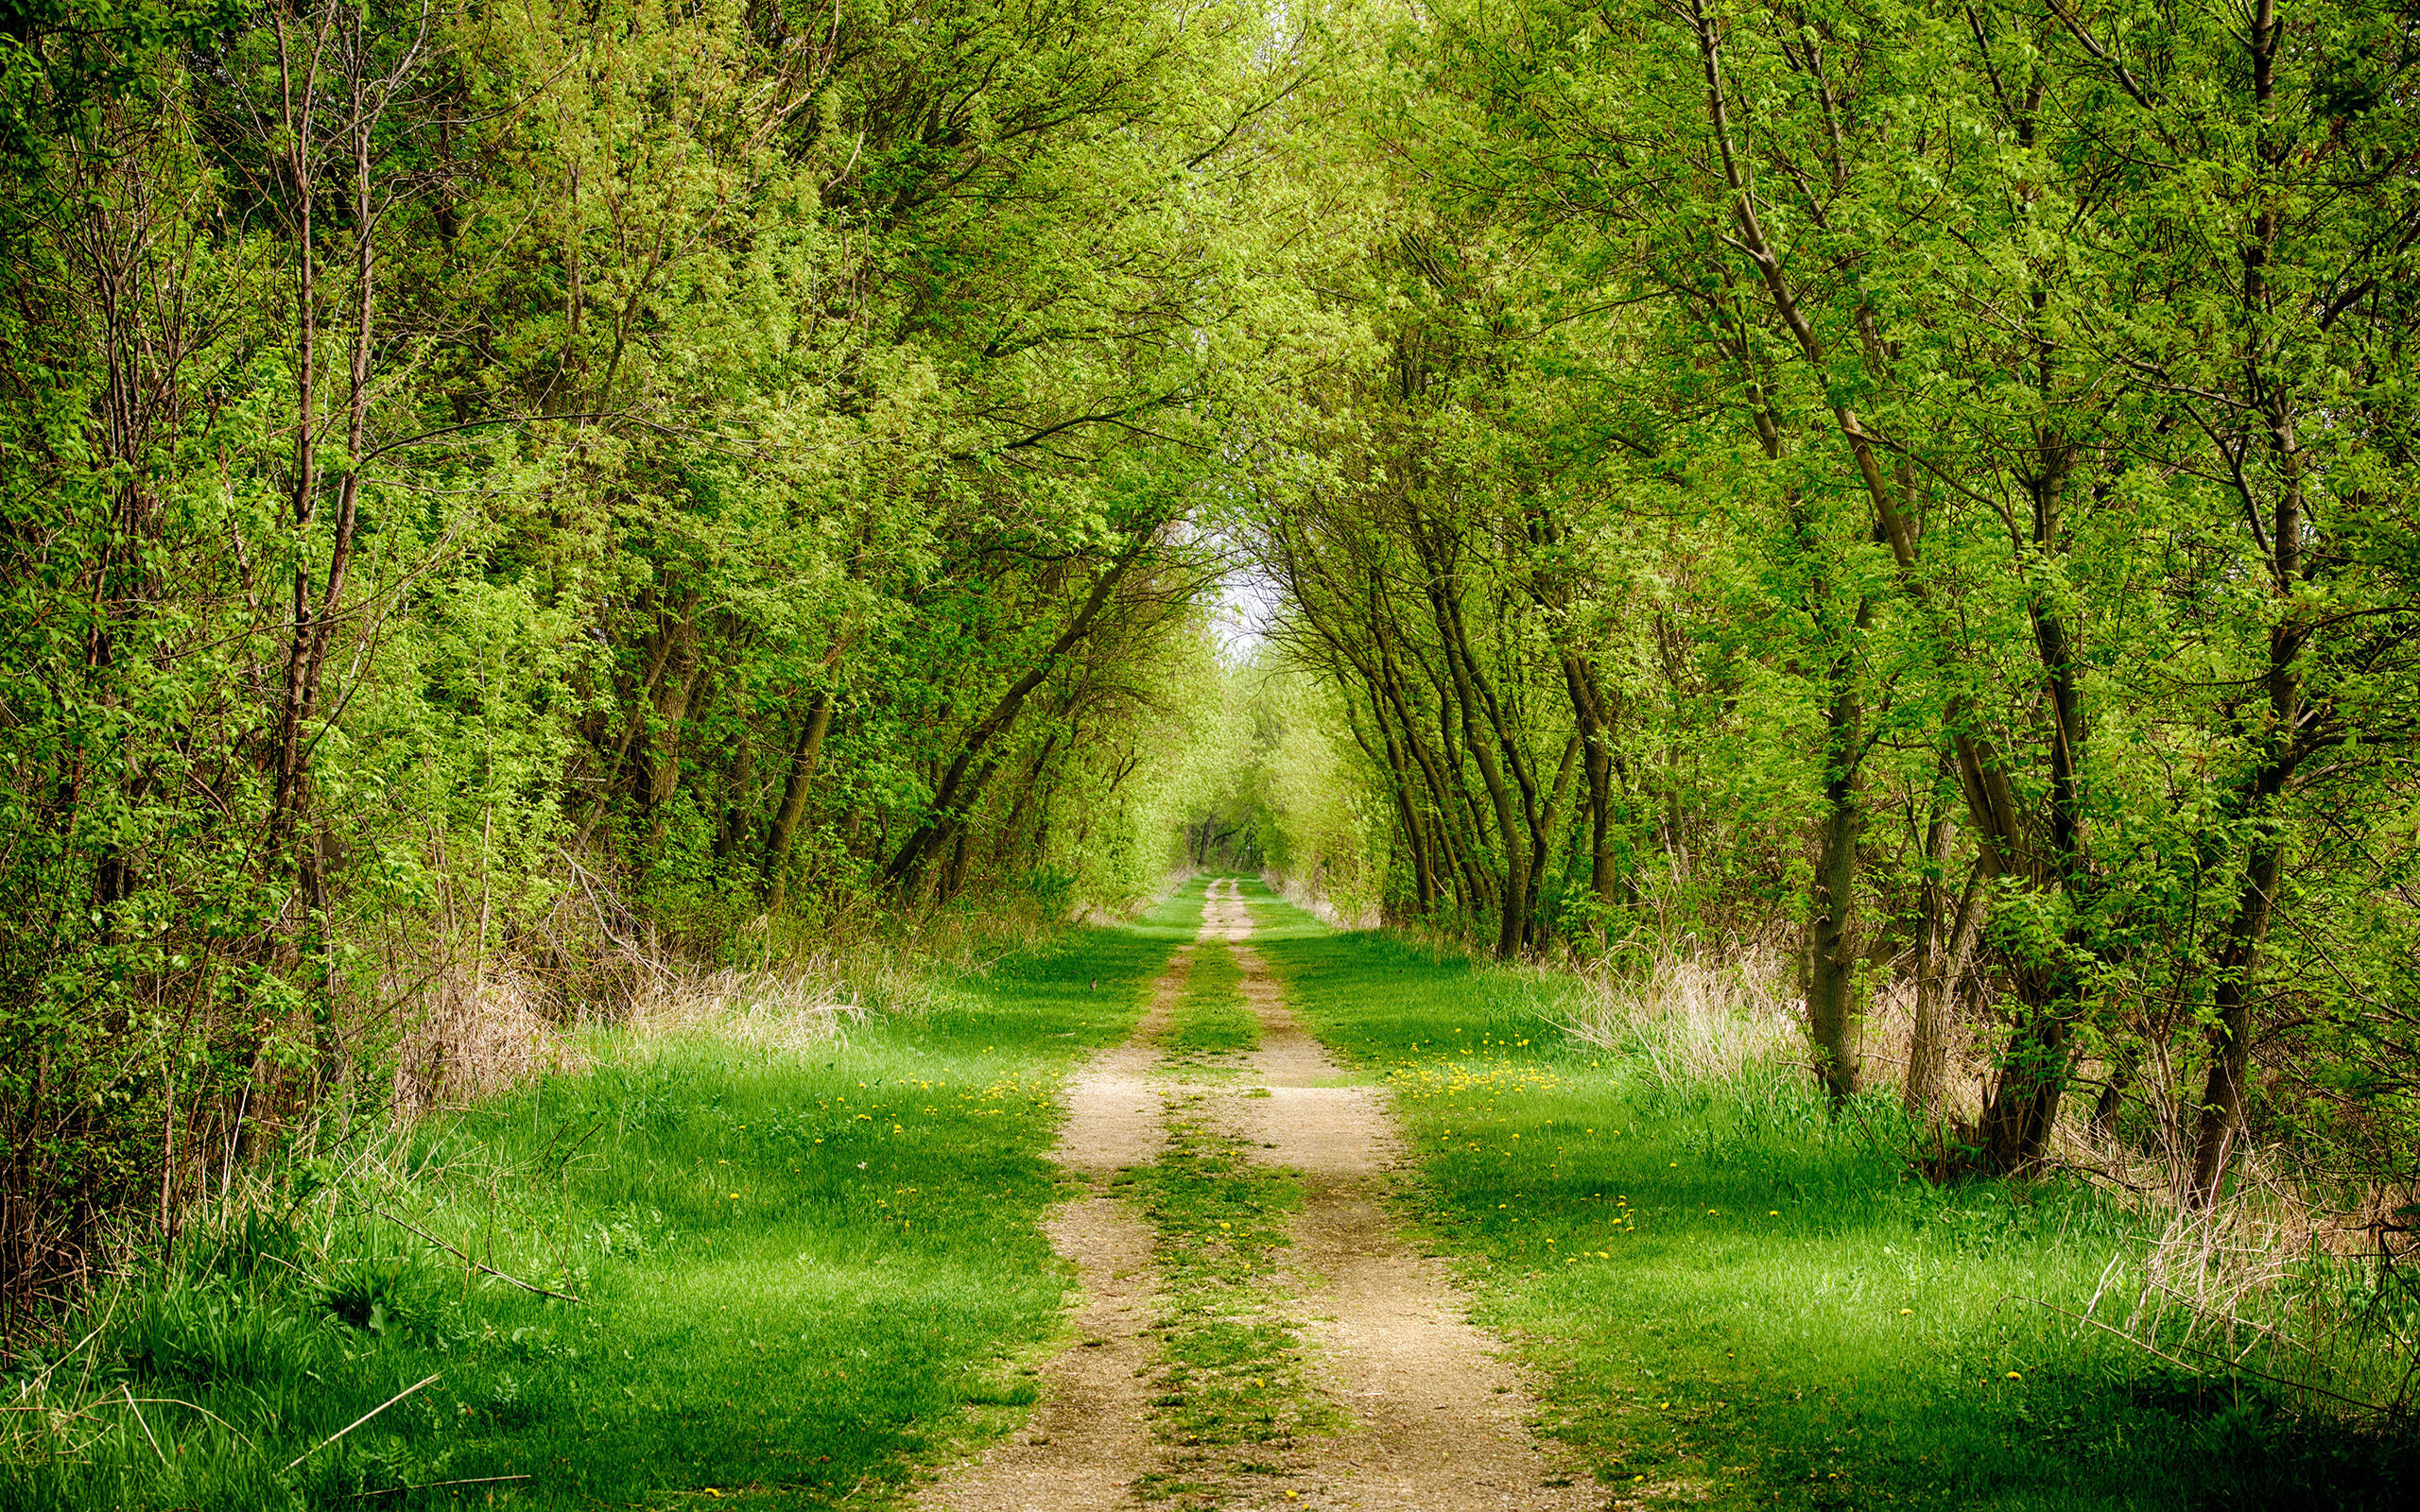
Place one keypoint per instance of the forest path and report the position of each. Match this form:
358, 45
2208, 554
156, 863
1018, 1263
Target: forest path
1438, 1420
1090, 1435
1435, 1421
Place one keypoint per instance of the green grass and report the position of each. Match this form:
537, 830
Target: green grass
801, 1275
806, 1275
1212, 1020
1734, 1297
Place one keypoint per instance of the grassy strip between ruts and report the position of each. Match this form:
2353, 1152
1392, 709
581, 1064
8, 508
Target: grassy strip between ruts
801, 1275
1212, 1021
1737, 1301
1233, 1392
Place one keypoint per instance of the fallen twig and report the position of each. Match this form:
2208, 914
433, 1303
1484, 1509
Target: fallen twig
359, 1421
465, 1259
147, 1427
180, 1401
43, 1379
430, 1485
2119, 1332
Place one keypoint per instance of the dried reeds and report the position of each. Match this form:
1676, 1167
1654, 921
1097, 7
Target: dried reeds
468, 1037
1335, 909
1691, 1017
783, 1012
2252, 1285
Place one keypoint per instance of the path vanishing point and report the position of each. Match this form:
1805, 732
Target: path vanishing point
1433, 1420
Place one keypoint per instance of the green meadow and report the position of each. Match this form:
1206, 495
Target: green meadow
800, 1276
704, 1272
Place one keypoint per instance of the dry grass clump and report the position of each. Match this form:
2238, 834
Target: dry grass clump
2260, 1284
1691, 1017
1337, 909
469, 1036
792, 1011
1886, 1037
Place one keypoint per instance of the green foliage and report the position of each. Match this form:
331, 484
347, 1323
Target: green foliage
1810, 457
500, 508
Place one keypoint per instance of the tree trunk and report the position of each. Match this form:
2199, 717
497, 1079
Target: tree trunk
1831, 946
1937, 985
794, 790
2284, 736
2024, 1108
1499, 795
950, 799
665, 733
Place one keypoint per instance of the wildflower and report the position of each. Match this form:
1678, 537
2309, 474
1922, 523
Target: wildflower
2013, 1376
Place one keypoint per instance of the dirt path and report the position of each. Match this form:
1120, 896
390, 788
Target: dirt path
1090, 1435
1441, 1419
1438, 1420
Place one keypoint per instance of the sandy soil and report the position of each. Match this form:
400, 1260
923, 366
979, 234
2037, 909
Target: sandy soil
1437, 1419
1090, 1435
1440, 1419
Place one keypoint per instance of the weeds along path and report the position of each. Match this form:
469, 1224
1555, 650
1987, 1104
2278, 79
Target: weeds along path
1438, 1421
1090, 1437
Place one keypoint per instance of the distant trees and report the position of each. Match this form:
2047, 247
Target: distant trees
1933, 483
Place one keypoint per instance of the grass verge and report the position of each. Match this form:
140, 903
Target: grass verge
799, 1275
1737, 1301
